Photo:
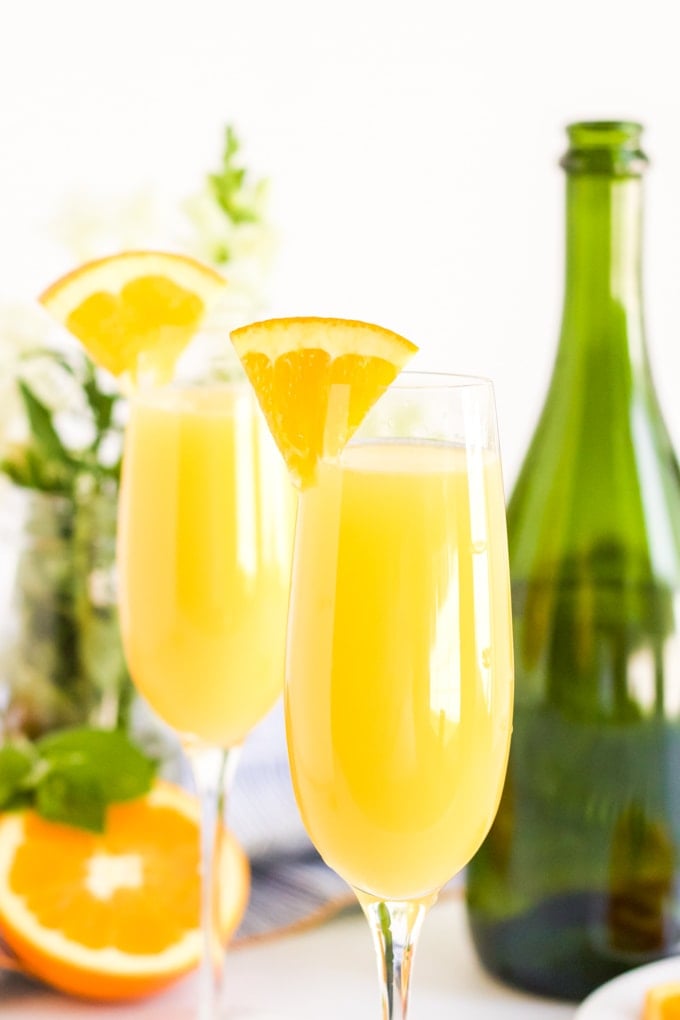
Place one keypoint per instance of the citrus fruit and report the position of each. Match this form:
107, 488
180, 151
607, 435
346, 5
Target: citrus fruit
136, 311
112, 916
294, 366
663, 1002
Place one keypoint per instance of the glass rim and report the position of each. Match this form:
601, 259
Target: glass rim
420, 379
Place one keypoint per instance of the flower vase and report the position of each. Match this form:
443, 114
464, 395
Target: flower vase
61, 659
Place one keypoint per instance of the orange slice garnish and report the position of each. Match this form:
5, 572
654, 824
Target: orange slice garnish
136, 311
115, 915
295, 364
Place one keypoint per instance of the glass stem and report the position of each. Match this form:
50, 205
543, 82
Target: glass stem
213, 770
395, 926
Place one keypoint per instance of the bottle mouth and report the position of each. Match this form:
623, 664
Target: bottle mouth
607, 147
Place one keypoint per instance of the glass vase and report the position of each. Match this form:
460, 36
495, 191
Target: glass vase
61, 659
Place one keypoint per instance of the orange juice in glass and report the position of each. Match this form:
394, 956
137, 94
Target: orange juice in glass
205, 533
401, 607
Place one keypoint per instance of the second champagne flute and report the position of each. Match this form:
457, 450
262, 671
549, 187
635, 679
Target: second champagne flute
206, 517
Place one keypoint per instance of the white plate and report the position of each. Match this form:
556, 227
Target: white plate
623, 997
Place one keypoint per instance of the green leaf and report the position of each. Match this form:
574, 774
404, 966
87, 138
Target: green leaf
108, 757
101, 403
18, 472
17, 762
228, 185
72, 775
47, 463
70, 795
43, 431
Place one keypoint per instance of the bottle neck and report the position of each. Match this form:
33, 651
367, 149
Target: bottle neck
603, 293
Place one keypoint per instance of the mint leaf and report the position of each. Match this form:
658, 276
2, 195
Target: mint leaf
17, 762
71, 776
107, 758
71, 796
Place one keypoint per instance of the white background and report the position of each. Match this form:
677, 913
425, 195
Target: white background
412, 147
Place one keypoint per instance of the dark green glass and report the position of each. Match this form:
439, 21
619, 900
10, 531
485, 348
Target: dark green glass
579, 878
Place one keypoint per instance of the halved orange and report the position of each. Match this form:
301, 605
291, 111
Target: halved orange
113, 916
662, 1002
135, 312
295, 365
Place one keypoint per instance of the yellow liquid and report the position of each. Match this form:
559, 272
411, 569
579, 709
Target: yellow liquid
399, 669
205, 534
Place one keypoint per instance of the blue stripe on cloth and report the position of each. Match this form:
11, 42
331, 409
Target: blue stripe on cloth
291, 894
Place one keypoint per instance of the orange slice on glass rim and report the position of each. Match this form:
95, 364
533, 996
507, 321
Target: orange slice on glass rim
113, 916
136, 311
295, 364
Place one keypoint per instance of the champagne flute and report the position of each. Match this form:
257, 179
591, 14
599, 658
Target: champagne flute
399, 675
204, 545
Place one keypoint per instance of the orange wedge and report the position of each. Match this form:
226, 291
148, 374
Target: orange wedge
294, 366
112, 916
663, 1002
136, 311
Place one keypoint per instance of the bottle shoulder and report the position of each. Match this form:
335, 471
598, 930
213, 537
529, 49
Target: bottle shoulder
600, 473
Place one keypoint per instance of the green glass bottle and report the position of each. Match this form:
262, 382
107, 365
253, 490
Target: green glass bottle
579, 878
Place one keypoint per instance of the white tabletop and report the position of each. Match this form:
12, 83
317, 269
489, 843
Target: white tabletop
326, 971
